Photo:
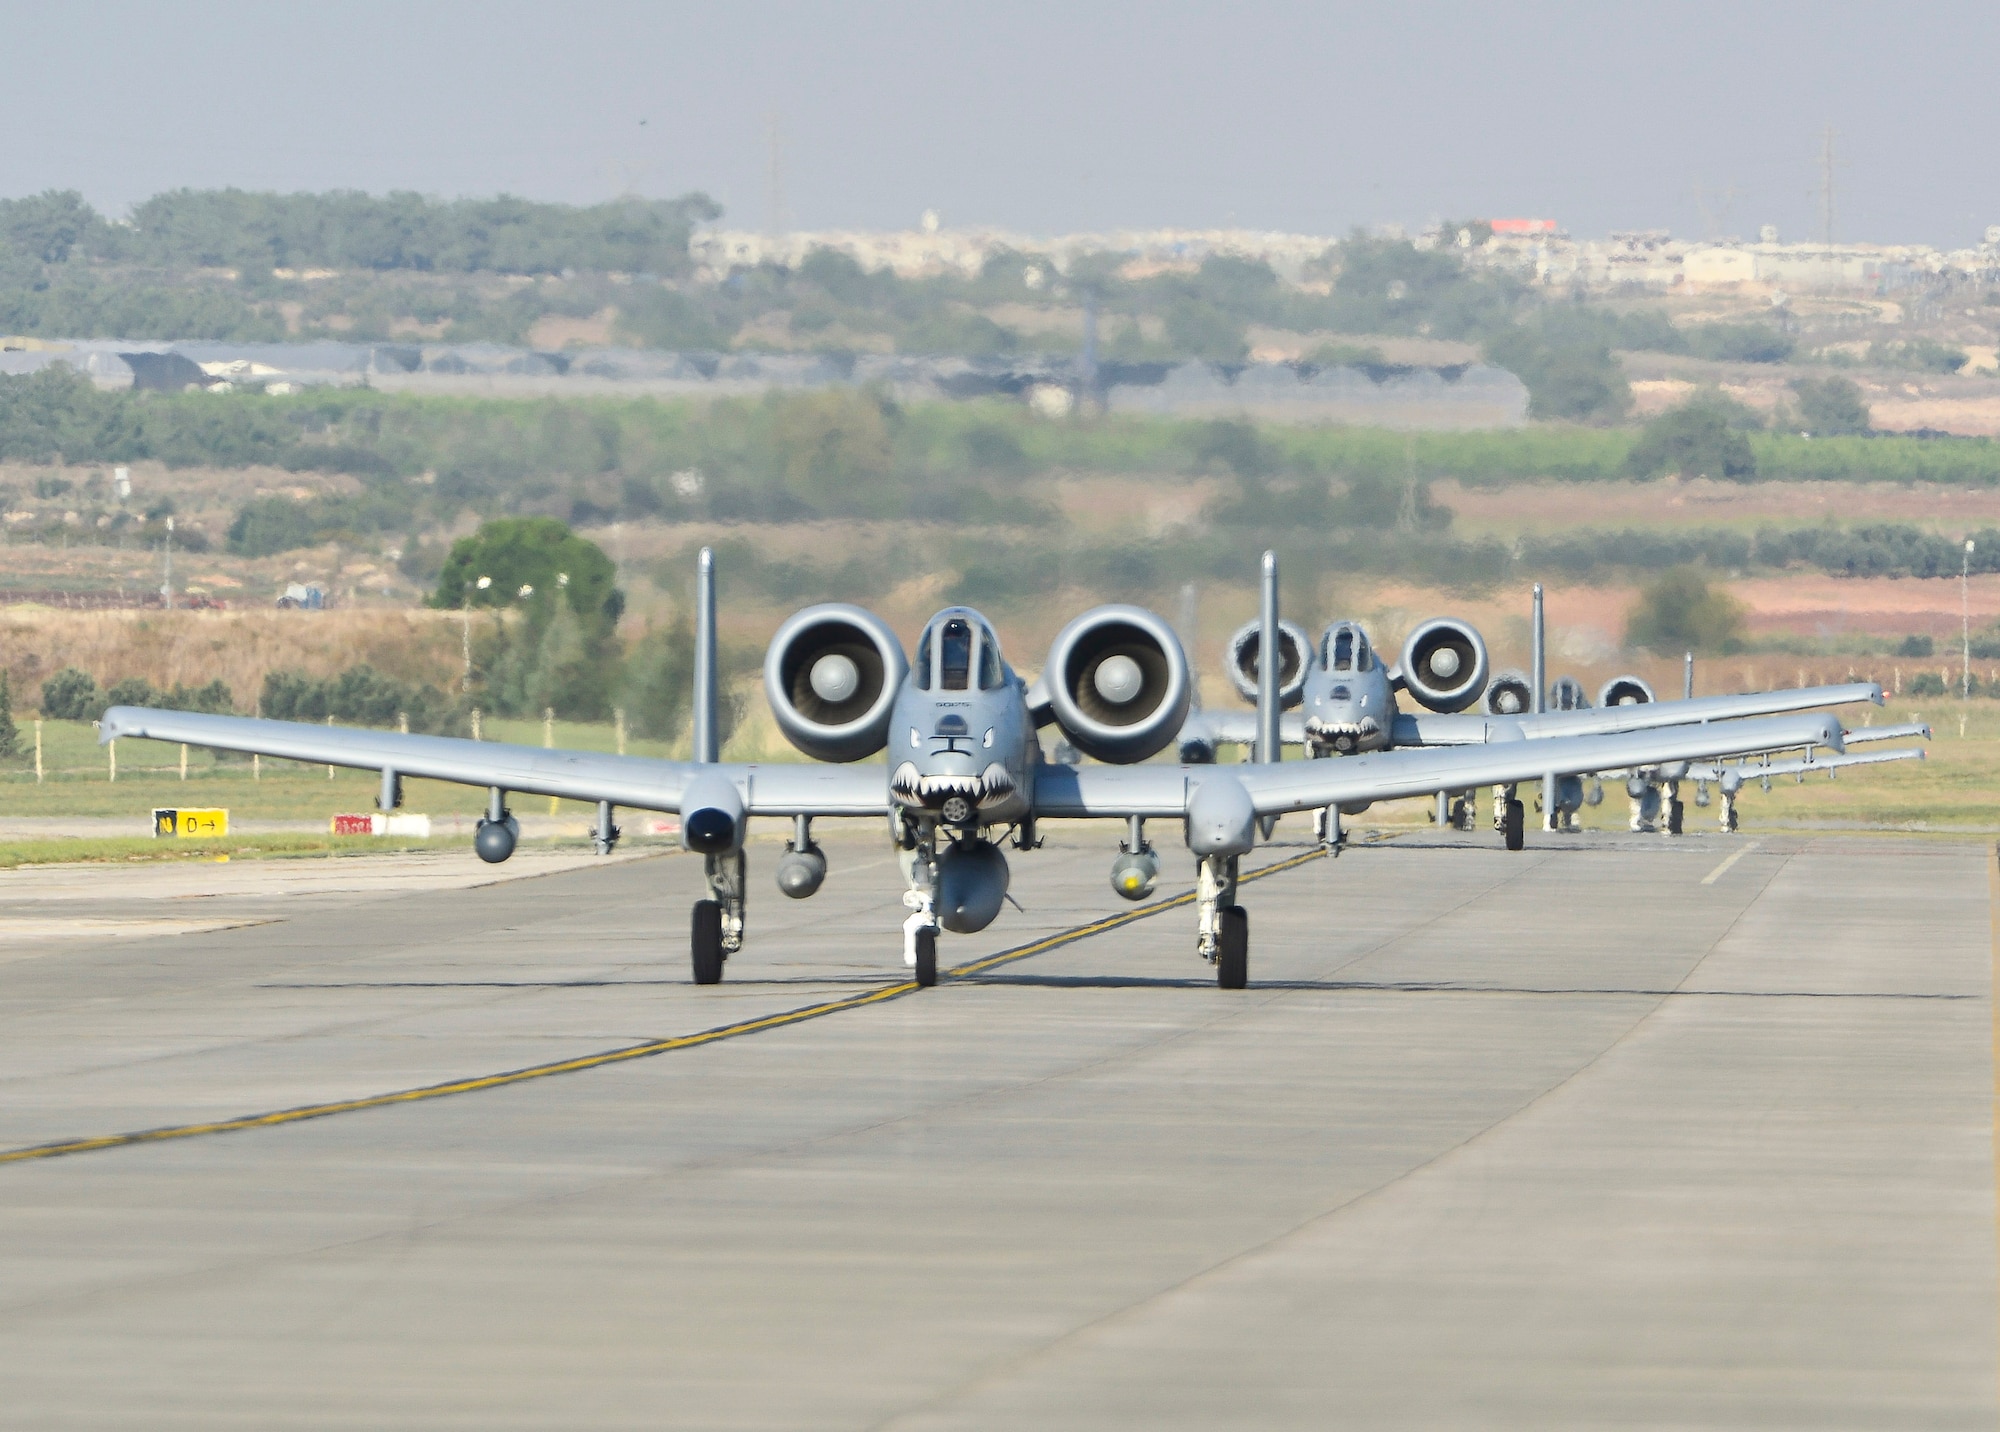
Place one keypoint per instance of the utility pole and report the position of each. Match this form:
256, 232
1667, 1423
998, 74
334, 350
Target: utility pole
1965, 623
465, 641
167, 575
1826, 187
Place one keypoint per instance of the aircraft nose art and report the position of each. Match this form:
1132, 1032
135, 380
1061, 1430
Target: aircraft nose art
950, 768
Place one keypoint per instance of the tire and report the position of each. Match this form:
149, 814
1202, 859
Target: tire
1515, 825
705, 942
926, 958
1232, 947
1675, 810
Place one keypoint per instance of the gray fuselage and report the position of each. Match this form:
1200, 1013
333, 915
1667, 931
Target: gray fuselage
962, 746
1348, 703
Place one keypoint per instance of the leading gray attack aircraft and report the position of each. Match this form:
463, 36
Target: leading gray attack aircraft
964, 768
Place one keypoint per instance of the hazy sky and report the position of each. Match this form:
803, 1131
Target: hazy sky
1042, 117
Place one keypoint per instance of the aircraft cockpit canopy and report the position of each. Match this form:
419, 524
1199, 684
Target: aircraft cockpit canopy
1344, 648
956, 649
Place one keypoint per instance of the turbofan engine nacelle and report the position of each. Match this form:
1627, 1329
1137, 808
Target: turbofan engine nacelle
1444, 664
971, 883
1509, 694
1626, 691
1118, 683
831, 675
1294, 661
1566, 693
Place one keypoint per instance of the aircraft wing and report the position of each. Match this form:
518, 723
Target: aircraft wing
1864, 734
641, 783
1858, 736
1432, 728
1601, 719
1387, 775
1799, 765
1238, 728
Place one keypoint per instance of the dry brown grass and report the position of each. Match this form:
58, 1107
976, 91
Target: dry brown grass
237, 647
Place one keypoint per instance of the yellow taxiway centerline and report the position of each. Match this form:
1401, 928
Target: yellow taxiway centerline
647, 1050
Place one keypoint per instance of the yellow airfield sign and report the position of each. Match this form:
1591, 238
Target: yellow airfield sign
190, 822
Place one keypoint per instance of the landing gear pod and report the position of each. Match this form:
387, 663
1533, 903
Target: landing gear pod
1626, 691
494, 840
1444, 664
1294, 661
831, 675
1118, 683
1510, 694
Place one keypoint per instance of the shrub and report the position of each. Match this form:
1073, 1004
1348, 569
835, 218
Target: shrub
1739, 343
1926, 683
72, 695
1916, 646
1695, 439
1831, 407
360, 696
1681, 612
1565, 361
658, 681
10, 736
131, 691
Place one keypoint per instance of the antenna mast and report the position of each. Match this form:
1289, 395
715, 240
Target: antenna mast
1826, 187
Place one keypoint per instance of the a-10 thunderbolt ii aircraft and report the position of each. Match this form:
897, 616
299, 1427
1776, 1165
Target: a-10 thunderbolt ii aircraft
1346, 700
964, 767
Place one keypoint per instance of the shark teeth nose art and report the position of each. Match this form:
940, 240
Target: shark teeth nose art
911, 787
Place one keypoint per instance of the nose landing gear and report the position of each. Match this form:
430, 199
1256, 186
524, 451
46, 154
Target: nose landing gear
1222, 926
717, 931
920, 931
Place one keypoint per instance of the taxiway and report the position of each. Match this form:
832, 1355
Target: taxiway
1611, 1132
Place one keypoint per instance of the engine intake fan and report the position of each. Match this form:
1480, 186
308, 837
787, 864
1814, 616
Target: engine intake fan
1444, 664
1509, 694
1626, 691
1294, 661
831, 675
1118, 683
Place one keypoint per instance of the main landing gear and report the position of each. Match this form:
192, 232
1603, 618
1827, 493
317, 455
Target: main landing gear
1514, 822
1223, 926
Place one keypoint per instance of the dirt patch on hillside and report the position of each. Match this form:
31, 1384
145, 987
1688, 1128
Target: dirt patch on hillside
1707, 502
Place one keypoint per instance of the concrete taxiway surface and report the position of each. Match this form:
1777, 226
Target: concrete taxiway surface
1616, 1131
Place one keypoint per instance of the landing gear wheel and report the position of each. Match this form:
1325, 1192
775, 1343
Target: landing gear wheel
926, 958
1514, 825
705, 942
1674, 812
1232, 947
